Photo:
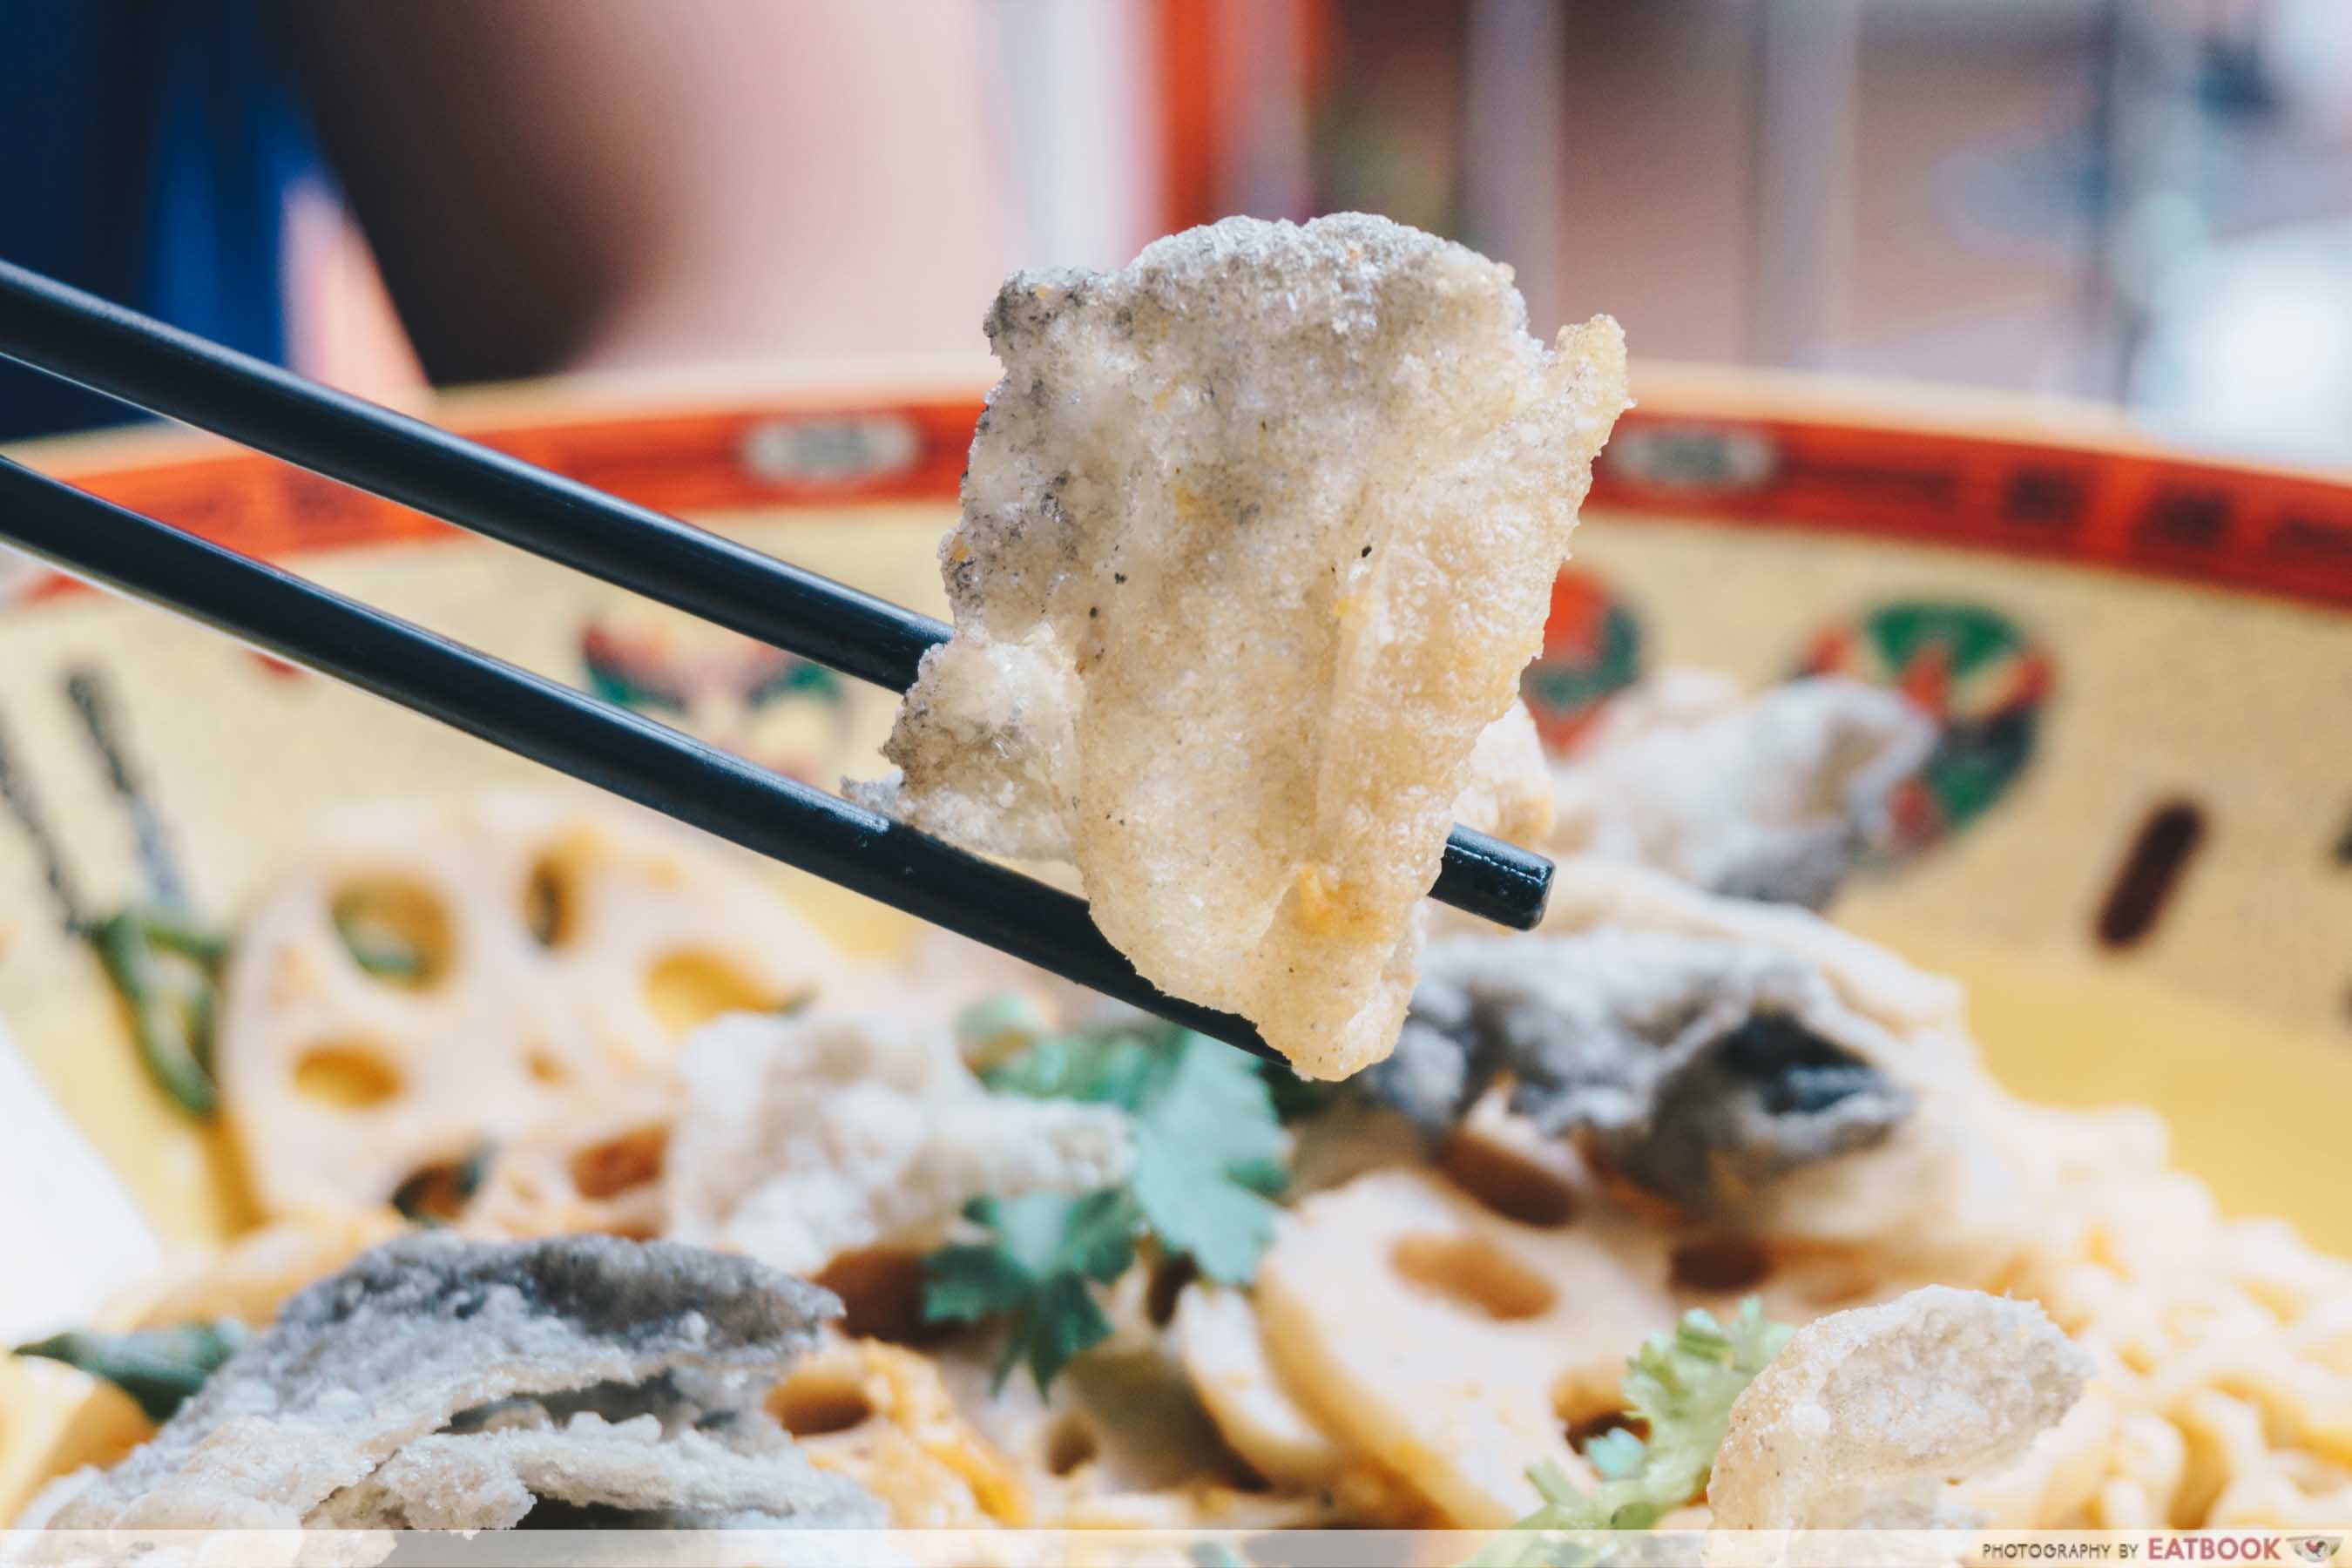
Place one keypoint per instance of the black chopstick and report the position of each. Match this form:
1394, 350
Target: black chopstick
85, 340
575, 734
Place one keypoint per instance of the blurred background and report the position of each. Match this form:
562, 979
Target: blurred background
2143, 202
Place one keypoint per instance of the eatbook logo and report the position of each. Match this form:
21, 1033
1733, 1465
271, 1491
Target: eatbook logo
2316, 1548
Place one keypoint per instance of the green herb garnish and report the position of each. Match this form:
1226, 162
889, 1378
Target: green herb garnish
1679, 1387
996, 1029
165, 968
159, 1368
176, 930
1207, 1160
1034, 1271
378, 953
438, 1194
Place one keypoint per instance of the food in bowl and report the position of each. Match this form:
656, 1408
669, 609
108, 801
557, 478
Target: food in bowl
1069, 1267
1093, 1270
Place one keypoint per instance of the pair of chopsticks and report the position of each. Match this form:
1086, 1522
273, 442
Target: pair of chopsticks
85, 340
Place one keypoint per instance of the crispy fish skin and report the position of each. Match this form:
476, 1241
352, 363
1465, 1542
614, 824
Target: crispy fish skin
1778, 797
1866, 1417
660, 1470
1258, 536
801, 1139
362, 1364
1701, 1070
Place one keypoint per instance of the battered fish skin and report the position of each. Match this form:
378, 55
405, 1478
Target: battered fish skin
362, 1365
1257, 538
1700, 1069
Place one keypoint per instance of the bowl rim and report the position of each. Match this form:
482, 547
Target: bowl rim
2034, 478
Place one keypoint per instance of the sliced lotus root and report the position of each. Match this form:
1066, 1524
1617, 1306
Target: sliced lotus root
1224, 1356
432, 979
594, 1168
1120, 1441
1532, 1325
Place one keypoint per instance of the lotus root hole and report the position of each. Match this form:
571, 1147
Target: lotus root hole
818, 1400
1474, 1272
553, 898
881, 1291
687, 990
1582, 1427
1716, 1264
439, 1190
1169, 1278
1507, 1181
1069, 1445
348, 1077
619, 1164
397, 931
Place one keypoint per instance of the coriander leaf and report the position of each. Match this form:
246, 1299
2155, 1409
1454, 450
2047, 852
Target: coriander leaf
159, 1368
1680, 1384
1099, 1239
1064, 1320
1195, 1208
1209, 1154
1212, 1118
1267, 1178
1034, 1270
1215, 1104
1209, 1148
1103, 1067
965, 1284
1525, 1545
1047, 1233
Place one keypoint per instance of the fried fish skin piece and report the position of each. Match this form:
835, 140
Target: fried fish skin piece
798, 1140
362, 1365
657, 1468
1866, 1416
1776, 795
1701, 1069
1441, 1343
1257, 538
